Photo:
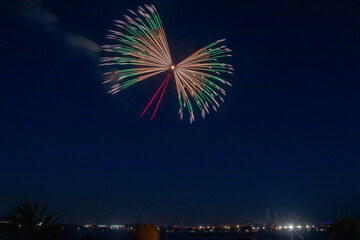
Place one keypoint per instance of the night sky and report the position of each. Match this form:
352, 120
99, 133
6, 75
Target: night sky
287, 136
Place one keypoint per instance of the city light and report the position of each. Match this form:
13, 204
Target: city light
208, 229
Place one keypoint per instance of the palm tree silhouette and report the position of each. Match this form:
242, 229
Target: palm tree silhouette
28, 222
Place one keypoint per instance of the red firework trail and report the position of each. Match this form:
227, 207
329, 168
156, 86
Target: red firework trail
167, 81
167, 77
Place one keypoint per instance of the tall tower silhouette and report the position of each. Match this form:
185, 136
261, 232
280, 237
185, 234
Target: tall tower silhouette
276, 218
267, 214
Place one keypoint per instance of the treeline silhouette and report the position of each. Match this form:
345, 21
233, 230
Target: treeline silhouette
346, 228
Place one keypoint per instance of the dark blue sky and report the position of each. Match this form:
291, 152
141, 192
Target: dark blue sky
287, 136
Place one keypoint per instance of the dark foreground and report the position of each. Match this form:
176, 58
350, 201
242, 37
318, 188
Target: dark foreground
113, 235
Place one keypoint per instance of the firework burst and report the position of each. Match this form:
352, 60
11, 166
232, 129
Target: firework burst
142, 52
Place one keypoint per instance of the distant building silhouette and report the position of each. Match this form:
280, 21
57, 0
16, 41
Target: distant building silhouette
267, 214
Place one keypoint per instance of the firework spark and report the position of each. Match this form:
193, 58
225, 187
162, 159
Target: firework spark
142, 52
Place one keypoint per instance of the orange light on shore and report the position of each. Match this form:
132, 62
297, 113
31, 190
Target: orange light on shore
172, 67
